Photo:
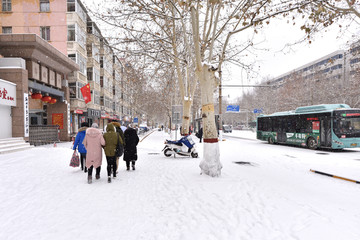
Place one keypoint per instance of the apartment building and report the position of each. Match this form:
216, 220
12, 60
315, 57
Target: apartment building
93, 70
39, 72
67, 26
354, 60
332, 67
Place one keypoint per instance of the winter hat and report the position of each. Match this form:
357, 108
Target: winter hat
95, 125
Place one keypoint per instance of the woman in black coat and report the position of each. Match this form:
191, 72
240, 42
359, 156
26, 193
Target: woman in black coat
130, 151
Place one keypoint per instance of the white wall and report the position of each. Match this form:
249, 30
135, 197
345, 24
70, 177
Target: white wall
5, 122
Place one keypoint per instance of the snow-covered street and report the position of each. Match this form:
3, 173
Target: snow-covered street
273, 197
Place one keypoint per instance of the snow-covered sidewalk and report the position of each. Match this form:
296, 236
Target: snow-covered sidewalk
276, 197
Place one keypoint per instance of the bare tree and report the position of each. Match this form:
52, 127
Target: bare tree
160, 29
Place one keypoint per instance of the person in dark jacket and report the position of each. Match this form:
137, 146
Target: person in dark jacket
130, 151
111, 140
78, 143
119, 131
200, 134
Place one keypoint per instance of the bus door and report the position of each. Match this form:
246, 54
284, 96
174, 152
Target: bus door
325, 132
281, 133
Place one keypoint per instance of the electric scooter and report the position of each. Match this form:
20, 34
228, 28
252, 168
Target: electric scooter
178, 147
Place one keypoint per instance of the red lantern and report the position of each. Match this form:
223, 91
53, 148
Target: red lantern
36, 96
53, 100
46, 99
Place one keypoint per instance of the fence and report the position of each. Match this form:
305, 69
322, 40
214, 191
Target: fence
43, 134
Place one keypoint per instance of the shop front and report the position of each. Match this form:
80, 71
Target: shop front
7, 101
42, 111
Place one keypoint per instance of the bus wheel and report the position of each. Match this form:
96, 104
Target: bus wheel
311, 143
270, 140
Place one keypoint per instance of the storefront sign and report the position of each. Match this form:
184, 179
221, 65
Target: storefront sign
7, 93
93, 113
58, 119
105, 114
26, 115
78, 111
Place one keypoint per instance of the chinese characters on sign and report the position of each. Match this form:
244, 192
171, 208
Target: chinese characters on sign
68, 117
7, 93
3, 95
58, 119
26, 115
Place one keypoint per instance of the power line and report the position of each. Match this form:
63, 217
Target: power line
240, 86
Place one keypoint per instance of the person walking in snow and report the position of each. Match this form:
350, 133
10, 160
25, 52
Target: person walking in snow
111, 140
93, 143
121, 133
130, 150
200, 134
78, 143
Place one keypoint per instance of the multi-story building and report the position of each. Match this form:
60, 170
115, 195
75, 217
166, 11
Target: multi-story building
117, 88
332, 67
45, 18
93, 70
76, 21
39, 72
106, 82
67, 26
354, 60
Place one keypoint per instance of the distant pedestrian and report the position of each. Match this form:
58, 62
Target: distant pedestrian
130, 150
93, 143
111, 140
119, 131
78, 143
200, 134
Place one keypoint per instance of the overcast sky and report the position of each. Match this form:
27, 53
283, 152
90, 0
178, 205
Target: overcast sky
277, 60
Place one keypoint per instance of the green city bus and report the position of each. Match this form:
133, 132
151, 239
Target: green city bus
334, 126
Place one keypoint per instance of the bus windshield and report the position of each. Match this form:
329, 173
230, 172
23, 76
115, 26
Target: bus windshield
347, 124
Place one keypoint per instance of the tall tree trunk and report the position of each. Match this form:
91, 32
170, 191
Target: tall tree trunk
186, 116
210, 164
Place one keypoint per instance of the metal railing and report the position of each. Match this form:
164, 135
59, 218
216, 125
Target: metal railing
43, 134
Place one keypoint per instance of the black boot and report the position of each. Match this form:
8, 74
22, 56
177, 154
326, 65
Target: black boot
89, 179
109, 179
133, 165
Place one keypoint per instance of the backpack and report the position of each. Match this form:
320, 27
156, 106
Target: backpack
119, 147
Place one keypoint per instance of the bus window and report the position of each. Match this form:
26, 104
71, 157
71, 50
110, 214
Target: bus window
347, 126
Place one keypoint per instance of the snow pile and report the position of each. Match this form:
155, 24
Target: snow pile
275, 196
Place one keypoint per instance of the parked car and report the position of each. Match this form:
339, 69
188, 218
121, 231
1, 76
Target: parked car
239, 127
227, 129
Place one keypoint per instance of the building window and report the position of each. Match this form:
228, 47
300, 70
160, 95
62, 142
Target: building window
71, 32
75, 91
45, 33
71, 5
102, 62
6, 5
72, 57
89, 74
44, 6
7, 30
